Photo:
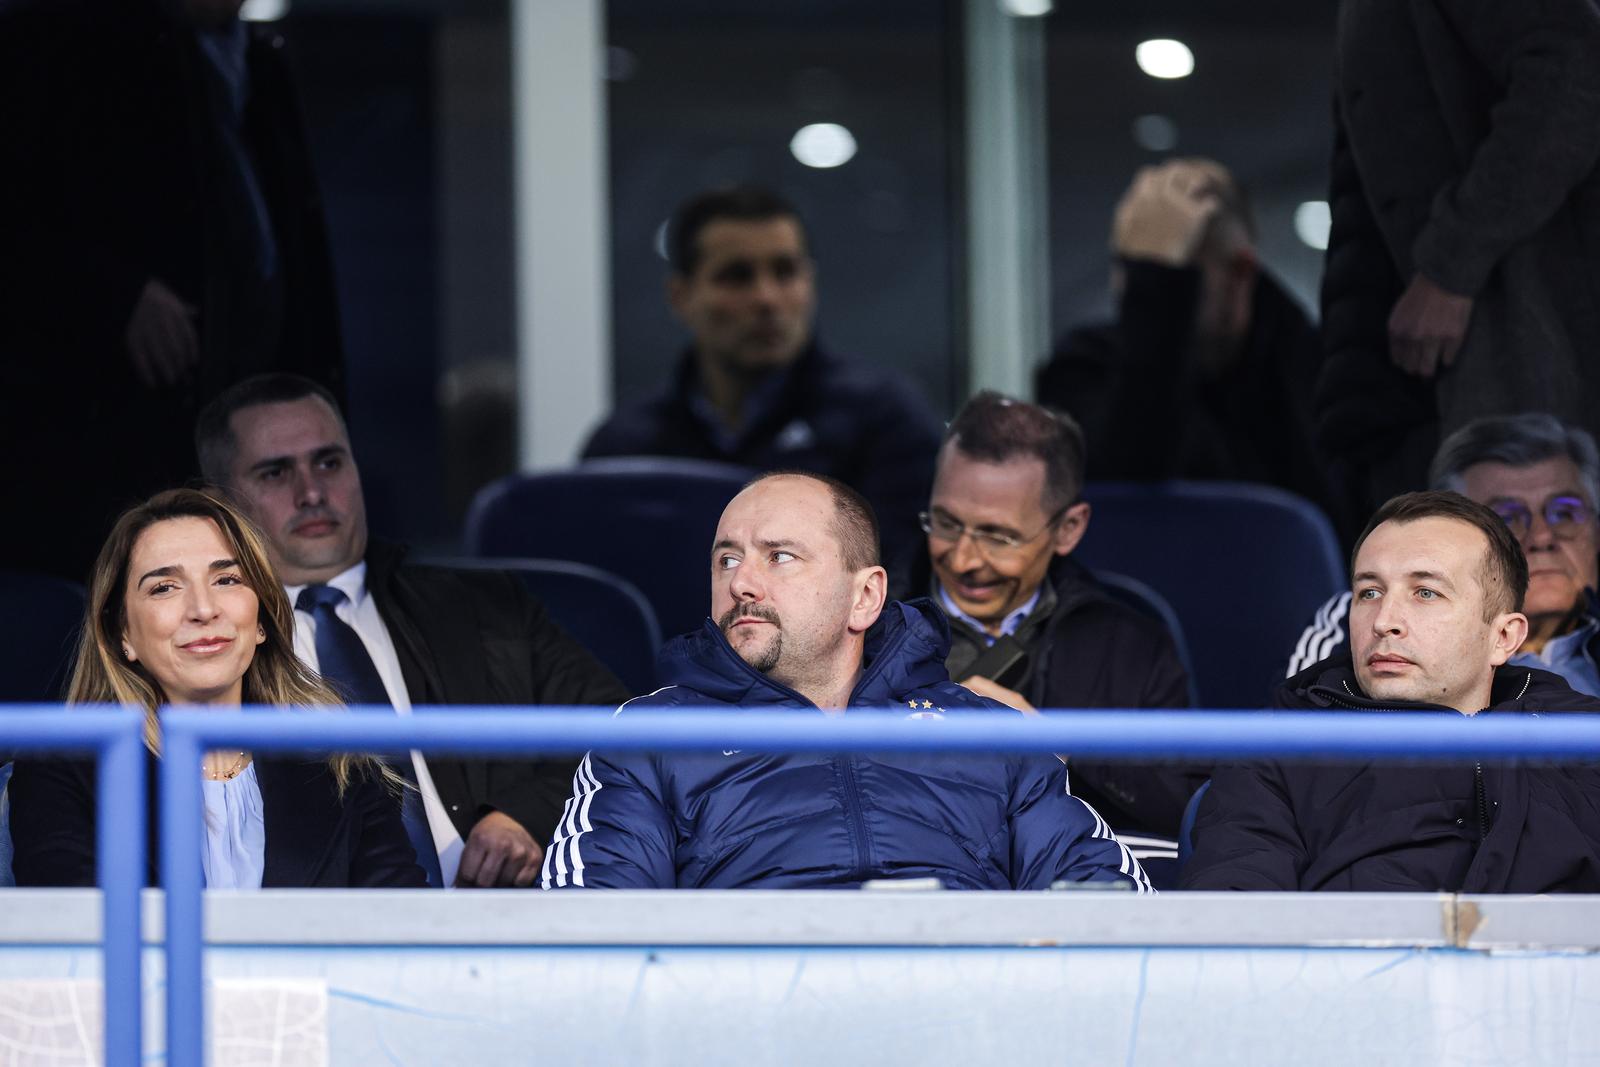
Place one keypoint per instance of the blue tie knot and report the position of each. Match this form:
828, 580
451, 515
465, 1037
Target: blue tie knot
313, 597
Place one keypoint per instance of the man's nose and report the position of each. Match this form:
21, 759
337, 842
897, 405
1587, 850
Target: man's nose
1389, 619
746, 584
963, 555
1540, 537
307, 489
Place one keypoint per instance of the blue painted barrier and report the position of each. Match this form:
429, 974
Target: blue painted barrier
116, 737
1137, 735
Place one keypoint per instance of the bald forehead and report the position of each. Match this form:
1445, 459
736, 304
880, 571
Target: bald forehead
786, 506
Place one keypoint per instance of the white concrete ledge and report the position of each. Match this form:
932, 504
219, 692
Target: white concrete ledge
617, 918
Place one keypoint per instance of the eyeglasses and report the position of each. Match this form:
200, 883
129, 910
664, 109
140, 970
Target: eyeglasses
990, 542
1564, 515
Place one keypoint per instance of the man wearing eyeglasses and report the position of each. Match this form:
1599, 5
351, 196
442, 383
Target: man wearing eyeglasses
1030, 626
1542, 477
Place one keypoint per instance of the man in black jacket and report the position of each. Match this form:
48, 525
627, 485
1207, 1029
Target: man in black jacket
164, 238
1439, 582
1207, 371
433, 635
1029, 626
755, 389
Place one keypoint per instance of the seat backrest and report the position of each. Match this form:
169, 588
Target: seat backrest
602, 612
647, 520
1242, 565
1139, 596
1186, 827
39, 620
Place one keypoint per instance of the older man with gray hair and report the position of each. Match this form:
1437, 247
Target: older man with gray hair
1542, 477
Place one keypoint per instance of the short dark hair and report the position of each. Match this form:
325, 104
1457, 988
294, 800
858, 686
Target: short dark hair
854, 522
747, 203
1504, 572
213, 427
994, 428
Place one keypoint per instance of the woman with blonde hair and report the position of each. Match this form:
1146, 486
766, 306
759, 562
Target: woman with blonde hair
185, 609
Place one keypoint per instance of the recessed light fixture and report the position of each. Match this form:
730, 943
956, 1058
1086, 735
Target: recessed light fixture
1164, 58
823, 145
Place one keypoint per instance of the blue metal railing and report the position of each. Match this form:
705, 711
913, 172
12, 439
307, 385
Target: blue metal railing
115, 737
188, 734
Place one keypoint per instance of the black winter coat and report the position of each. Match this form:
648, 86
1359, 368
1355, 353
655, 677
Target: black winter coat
476, 638
1098, 653
314, 838
1385, 828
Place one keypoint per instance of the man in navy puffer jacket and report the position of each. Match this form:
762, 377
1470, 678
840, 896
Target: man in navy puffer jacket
801, 622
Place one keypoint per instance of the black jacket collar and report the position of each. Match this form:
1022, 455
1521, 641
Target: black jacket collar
1332, 684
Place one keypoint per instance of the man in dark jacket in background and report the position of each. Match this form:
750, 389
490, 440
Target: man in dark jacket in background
1031, 627
1438, 583
802, 623
163, 238
387, 631
1208, 370
754, 388
1463, 267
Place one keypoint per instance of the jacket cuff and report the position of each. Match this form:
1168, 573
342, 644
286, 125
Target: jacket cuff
1446, 254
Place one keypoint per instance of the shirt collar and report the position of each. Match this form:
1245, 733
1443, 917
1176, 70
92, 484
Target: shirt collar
1008, 625
352, 583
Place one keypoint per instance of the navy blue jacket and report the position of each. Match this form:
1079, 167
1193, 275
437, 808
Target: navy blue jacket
744, 820
866, 425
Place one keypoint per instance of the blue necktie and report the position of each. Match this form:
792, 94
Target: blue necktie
345, 664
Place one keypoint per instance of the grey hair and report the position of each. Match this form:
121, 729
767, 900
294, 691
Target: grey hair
1517, 441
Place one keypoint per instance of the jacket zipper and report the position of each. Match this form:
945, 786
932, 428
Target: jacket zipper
1483, 801
858, 822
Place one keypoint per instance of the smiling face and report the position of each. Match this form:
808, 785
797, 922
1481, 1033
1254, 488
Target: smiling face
986, 580
190, 621
781, 590
1562, 560
1421, 628
295, 477
750, 298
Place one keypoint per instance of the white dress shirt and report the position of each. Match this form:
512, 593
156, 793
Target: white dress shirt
360, 612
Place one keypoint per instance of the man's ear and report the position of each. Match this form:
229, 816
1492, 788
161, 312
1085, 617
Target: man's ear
871, 594
1508, 633
1070, 530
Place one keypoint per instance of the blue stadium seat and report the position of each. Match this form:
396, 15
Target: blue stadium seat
39, 620
1139, 596
648, 520
1186, 827
1242, 565
604, 613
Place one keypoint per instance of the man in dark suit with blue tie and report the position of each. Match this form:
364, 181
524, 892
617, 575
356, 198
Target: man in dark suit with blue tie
388, 632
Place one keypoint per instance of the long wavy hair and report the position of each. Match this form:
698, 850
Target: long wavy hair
275, 675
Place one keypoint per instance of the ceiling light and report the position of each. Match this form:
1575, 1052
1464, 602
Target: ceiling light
1312, 223
823, 144
1163, 58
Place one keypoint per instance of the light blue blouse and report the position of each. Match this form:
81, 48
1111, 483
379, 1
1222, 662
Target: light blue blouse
235, 849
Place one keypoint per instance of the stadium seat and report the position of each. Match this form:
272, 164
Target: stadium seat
39, 620
1186, 827
648, 520
604, 613
1139, 596
1243, 566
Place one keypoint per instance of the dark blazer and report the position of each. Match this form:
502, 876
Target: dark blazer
315, 839
478, 637
1464, 828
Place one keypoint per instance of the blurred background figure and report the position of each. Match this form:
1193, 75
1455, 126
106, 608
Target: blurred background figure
1208, 369
165, 239
1463, 272
755, 388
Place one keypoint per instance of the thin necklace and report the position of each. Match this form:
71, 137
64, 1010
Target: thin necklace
232, 771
